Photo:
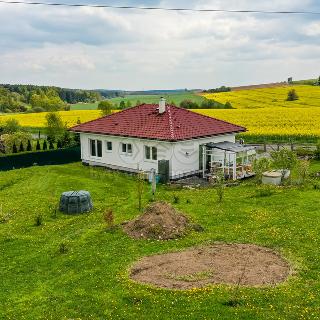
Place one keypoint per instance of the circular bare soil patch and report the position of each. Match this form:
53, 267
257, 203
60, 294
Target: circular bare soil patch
160, 221
237, 264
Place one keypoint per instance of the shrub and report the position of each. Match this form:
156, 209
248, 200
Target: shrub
292, 95
15, 138
108, 218
140, 188
38, 220
302, 171
11, 126
220, 187
260, 166
38, 109
14, 148
29, 146
228, 105
284, 160
59, 144
189, 104
317, 152
176, 199
265, 191
38, 145
44, 145
302, 152
51, 146
21, 148
63, 248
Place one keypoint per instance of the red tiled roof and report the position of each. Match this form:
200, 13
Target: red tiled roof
144, 121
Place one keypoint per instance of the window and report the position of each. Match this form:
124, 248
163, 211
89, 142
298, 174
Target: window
151, 153
154, 153
95, 148
126, 148
108, 145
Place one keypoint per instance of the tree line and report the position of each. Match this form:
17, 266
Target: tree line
22, 98
106, 106
14, 138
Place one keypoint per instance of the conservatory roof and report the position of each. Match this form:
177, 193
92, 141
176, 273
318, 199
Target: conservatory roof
230, 146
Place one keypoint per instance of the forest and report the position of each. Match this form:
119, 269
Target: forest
31, 98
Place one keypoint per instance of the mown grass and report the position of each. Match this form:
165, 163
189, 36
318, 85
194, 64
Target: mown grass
90, 280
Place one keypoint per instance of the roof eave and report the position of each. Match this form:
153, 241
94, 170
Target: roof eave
159, 139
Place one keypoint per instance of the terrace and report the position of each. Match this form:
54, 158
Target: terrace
233, 160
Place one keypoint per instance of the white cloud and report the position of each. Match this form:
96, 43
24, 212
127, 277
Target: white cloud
91, 48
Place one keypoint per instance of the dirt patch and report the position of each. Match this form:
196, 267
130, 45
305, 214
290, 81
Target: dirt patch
237, 264
159, 221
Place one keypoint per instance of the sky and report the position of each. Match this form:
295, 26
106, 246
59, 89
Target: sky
140, 50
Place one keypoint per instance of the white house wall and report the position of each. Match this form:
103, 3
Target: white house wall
116, 159
183, 156
186, 153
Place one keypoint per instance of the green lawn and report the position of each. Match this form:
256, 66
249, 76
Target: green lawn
91, 281
84, 106
175, 97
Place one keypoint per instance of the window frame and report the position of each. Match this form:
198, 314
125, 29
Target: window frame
125, 149
107, 146
152, 151
96, 146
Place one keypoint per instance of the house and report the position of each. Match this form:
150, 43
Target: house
175, 142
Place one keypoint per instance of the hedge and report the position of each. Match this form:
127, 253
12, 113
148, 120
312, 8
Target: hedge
42, 158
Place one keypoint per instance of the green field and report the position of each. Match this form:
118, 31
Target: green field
91, 280
175, 97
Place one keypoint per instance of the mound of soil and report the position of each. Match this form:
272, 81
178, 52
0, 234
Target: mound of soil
237, 264
159, 221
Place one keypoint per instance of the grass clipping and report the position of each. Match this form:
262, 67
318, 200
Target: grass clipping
160, 221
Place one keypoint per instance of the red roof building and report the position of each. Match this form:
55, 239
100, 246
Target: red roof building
146, 122
161, 138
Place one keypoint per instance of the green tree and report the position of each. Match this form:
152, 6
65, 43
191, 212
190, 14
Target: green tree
220, 186
260, 166
14, 148
45, 145
38, 145
11, 126
128, 104
122, 105
66, 139
106, 107
21, 148
284, 160
292, 95
228, 105
9, 140
59, 144
29, 147
189, 104
54, 126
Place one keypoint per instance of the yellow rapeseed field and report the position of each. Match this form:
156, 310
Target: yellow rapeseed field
38, 120
309, 96
297, 122
268, 121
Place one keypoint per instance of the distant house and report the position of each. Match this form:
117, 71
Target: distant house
163, 137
